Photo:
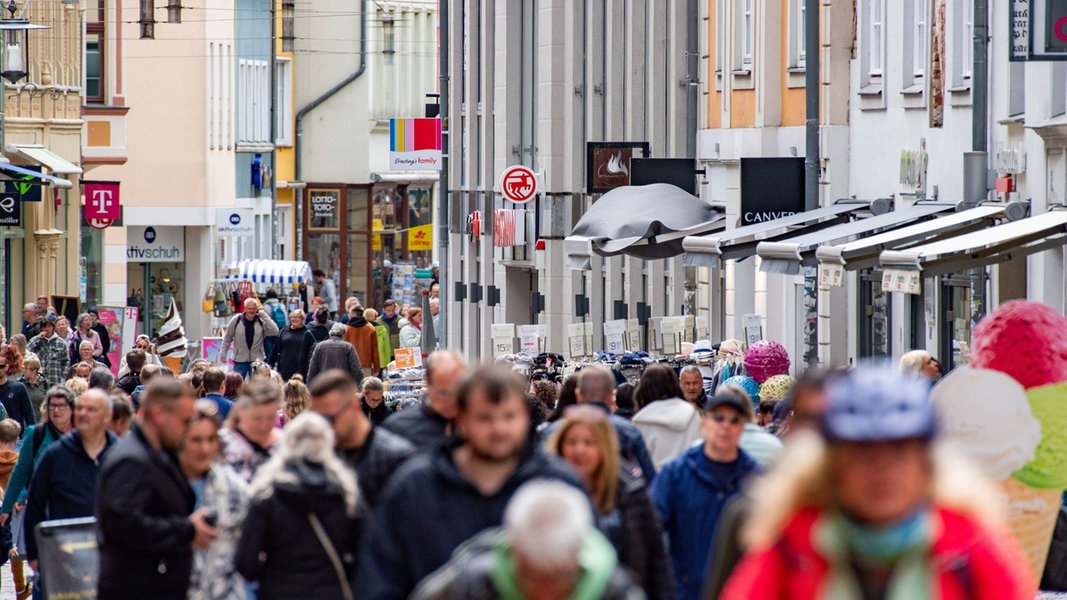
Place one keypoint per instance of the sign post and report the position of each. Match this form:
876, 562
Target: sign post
518, 184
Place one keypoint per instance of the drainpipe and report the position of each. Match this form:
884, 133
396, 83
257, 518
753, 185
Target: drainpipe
329, 93
811, 95
443, 196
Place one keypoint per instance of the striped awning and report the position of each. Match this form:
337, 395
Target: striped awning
269, 271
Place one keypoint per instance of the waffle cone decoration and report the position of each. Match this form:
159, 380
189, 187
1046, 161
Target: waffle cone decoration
1032, 517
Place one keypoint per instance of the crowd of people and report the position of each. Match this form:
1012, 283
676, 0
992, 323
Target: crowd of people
292, 475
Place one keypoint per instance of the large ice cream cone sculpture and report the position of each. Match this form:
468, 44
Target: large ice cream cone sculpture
171, 342
1032, 515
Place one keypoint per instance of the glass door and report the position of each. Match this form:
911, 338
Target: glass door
875, 307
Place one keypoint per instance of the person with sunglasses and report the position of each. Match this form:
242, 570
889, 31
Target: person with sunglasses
691, 490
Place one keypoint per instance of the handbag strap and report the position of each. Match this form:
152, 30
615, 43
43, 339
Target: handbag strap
331, 552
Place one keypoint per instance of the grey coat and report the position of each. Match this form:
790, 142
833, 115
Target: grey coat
235, 334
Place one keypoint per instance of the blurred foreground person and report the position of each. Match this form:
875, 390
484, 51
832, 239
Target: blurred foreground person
877, 510
299, 538
548, 550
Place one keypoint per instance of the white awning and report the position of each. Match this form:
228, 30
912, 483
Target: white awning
270, 271
983, 247
787, 255
863, 253
55, 163
709, 250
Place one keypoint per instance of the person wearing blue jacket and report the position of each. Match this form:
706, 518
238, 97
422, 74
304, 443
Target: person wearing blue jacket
64, 484
692, 489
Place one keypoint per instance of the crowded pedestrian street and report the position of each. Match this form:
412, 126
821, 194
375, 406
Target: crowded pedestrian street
533, 300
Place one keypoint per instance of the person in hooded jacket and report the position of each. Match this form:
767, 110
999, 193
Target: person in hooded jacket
320, 324
292, 350
668, 422
301, 532
364, 338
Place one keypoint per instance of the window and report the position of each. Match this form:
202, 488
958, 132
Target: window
720, 37
288, 35
94, 52
920, 34
747, 33
148, 19
389, 39
875, 41
283, 111
253, 98
963, 46
796, 34
1016, 88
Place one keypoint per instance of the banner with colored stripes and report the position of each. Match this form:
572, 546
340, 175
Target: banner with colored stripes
415, 144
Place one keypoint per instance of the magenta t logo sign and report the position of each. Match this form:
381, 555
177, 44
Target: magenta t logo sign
102, 200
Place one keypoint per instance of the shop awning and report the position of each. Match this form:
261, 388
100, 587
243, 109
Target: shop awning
708, 250
984, 247
55, 163
645, 221
864, 252
786, 256
23, 175
270, 271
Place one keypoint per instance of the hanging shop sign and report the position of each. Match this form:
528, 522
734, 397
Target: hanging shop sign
1038, 30
771, 188
236, 222
155, 244
323, 209
10, 208
420, 238
608, 164
28, 187
415, 144
518, 184
103, 207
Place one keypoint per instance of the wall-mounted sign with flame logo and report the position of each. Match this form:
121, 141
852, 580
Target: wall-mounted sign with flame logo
608, 164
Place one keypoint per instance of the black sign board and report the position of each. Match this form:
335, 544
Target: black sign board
607, 164
323, 206
10, 208
679, 172
771, 188
69, 557
68, 306
28, 187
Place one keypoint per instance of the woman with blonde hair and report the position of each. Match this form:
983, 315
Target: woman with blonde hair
301, 534
295, 399
876, 508
249, 437
919, 363
586, 439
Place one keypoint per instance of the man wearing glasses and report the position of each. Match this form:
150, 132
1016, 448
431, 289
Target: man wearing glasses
691, 490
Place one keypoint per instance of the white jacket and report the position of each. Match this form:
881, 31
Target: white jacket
669, 427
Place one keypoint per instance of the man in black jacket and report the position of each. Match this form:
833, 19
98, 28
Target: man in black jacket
335, 353
64, 482
440, 499
374, 453
143, 505
432, 421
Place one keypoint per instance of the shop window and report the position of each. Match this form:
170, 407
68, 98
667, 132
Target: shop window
283, 113
875, 309
94, 52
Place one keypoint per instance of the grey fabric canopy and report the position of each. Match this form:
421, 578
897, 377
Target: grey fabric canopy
645, 221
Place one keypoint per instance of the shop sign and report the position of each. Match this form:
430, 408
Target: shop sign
771, 188
237, 222
376, 242
323, 209
420, 238
518, 184
415, 144
831, 275
103, 207
155, 244
608, 164
905, 281
29, 188
10, 208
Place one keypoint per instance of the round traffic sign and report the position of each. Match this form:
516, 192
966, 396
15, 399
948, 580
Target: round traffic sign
518, 184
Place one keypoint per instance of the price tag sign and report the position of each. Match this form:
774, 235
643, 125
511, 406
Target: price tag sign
408, 358
614, 336
689, 324
502, 346
905, 281
576, 335
529, 339
633, 335
702, 327
753, 329
831, 275
587, 330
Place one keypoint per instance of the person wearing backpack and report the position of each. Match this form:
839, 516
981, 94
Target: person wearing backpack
246, 332
276, 310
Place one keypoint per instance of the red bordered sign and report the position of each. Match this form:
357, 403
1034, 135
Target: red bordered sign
518, 184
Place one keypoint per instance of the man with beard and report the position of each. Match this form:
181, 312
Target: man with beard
470, 479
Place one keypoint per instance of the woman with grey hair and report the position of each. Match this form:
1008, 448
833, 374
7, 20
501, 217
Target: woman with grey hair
919, 363
84, 333
301, 534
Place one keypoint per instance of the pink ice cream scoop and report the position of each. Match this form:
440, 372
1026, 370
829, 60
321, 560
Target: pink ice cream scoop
765, 359
1024, 339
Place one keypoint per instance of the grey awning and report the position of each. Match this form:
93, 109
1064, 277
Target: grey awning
863, 253
647, 221
984, 247
709, 250
799, 250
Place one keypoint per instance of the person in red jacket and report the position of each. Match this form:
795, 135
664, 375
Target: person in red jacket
876, 508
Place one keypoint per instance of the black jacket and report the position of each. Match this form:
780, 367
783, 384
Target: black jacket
63, 484
105, 342
380, 456
421, 426
377, 415
319, 332
292, 352
143, 505
278, 546
335, 353
637, 534
427, 510
128, 382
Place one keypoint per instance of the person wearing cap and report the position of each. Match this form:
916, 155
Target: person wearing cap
52, 350
875, 508
691, 490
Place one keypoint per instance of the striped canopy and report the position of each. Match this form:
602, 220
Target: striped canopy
270, 271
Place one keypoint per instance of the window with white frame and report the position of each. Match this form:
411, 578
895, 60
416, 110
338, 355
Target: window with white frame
253, 102
920, 37
283, 113
963, 46
720, 37
796, 34
876, 36
744, 34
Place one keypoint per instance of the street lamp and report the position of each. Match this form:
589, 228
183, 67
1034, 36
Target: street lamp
16, 43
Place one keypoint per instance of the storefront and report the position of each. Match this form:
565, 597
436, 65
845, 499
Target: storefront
373, 241
155, 273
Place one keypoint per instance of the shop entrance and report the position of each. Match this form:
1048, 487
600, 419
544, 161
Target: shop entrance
875, 307
960, 311
151, 286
